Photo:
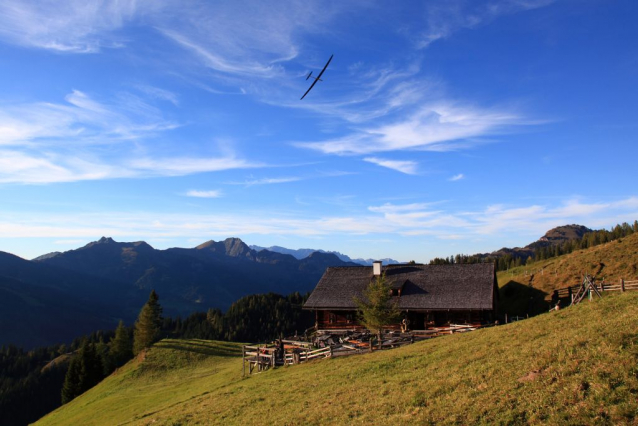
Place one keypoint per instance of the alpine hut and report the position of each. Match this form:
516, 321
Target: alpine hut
428, 295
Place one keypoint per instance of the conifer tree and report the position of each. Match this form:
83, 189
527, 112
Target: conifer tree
71, 386
91, 370
377, 310
85, 371
148, 324
120, 346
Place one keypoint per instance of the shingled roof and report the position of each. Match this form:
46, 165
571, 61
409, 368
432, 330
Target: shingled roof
423, 287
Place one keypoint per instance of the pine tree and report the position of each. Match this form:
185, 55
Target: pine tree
120, 346
85, 371
376, 310
148, 324
71, 386
102, 351
91, 370
216, 320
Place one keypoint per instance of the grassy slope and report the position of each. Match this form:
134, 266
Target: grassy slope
620, 260
576, 366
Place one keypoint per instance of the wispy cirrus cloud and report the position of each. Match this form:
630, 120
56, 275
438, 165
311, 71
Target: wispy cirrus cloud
270, 181
71, 26
81, 120
457, 177
409, 220
436, 127
214, 193
158, 93
85, 139
44, 167
251, 39
404, 166
445, 17
180, 166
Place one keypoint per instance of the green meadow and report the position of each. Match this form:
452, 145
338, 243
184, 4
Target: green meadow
576, 366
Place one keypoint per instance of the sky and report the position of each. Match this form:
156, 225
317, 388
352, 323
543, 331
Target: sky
439, 127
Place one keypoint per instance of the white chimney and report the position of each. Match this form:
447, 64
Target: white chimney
376, 268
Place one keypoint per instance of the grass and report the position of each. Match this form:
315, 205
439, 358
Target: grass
575, 366
611, 261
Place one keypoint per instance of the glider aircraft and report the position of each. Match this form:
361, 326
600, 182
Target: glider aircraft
317, 78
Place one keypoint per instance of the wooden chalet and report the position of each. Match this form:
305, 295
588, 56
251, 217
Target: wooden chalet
428, 295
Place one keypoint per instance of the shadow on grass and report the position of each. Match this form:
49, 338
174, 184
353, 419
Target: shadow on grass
518, 299
200, 348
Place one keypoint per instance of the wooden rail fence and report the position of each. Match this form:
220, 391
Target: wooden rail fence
569, 292
290, 352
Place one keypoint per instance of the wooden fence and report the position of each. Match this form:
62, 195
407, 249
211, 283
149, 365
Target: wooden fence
290, 352
297, 357
264, 357
260, 357
568, 292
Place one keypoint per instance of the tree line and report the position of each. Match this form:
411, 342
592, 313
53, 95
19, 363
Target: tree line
31, 385
511, 260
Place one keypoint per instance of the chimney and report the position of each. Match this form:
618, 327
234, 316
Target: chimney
376, 268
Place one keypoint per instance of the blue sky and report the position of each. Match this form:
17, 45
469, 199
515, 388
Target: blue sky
441, 127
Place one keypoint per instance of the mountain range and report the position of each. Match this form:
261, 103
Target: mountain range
305, 252
59, 296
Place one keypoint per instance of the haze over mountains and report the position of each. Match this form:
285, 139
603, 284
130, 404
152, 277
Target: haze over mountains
305, 252
92, 287
59, 296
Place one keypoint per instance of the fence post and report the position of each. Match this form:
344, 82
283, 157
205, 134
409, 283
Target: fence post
622, 285
243, 361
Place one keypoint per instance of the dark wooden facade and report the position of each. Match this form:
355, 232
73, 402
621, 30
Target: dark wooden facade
429, 295
347, 320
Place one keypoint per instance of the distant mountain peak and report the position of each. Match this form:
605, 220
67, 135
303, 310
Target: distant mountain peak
205, 245
230, 246
110, 243
47, 256
307, 252
559, 235
565, 232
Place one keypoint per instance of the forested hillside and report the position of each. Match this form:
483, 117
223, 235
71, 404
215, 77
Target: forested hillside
64, 295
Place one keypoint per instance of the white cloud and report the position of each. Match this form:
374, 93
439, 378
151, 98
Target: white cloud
85, 139
393, 208
457, 177
19, 167
41, 168
269, 181
435, 127
157, 93
444, 18
73, 26
180, 166
82, 120
407, 167
415, 219
204, 194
